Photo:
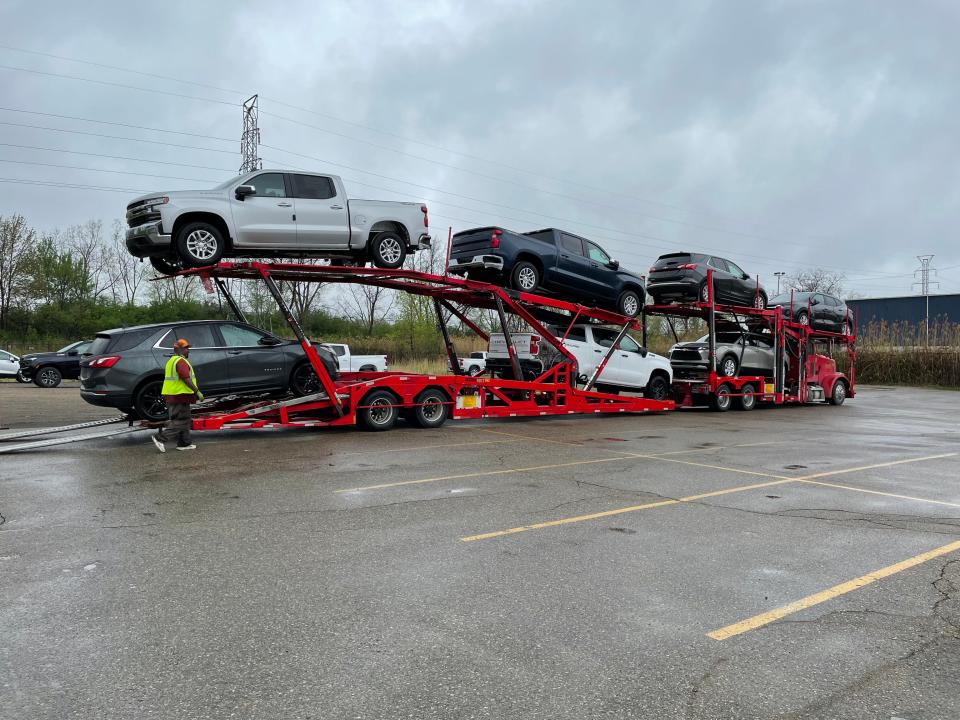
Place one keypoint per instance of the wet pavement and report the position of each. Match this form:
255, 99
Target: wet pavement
688, 565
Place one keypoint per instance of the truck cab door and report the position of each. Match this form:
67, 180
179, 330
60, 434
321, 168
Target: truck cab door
573, 267
601, 275
634, 367
322, 219
265, 219
615, 371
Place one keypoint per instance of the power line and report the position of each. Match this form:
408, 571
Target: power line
111, 157
103, 170
115, 137
118, 124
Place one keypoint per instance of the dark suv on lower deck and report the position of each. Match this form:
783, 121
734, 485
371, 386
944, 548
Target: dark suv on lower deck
123, 368
683, 277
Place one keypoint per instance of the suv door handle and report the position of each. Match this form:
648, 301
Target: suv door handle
284, 204
336, 207
234, 352
565, 257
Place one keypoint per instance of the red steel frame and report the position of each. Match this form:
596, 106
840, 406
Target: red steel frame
553, 393
804, 338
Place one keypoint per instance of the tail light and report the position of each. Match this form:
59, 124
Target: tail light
426, 222
688, 266
105, 362
495, 238
653, 269
534, 344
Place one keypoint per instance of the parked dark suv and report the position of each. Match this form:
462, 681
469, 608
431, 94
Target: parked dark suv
47, 369
123, 368
818, 310
551, 260
683, 277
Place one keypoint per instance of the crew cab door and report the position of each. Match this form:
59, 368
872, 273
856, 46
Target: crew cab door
253, 358
615, 372
266, 218
573, 267
322, 219
634, 366
208, 358
600, 273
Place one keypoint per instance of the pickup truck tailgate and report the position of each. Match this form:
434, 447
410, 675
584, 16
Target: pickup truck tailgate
472, 242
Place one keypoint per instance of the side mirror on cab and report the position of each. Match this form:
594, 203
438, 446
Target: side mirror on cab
269, 341
243, 191
614, 264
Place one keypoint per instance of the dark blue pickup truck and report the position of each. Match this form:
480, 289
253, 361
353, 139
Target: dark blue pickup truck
551, 260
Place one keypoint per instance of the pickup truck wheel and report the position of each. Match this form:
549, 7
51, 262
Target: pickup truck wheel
629, 303
47, 377
388, 250
657, 388
747, 399
368, 368
525, 277
721, 400
166, 265
432, 409
149, 404
378, 411
200, 244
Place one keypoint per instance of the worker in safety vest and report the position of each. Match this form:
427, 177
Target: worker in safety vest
179, 391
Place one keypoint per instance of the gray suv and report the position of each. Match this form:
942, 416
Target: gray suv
123, 368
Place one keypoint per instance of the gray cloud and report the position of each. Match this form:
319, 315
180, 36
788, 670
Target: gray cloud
783, 134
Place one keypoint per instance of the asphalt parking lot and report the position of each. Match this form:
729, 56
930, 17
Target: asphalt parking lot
798, 562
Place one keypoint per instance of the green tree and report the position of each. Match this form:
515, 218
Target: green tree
56, 277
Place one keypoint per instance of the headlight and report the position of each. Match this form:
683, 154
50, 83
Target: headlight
153, 202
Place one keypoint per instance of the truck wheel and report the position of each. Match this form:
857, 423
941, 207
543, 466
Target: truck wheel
657, 388
47, 377
378, 411
728, 366
148, 403
747, 401
839, 393
803, 317
721, 400
432, 409
200, 244
367, 368
525, 277
166, 265
629, 303
388, 250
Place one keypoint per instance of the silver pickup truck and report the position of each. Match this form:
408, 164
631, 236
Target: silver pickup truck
273, 213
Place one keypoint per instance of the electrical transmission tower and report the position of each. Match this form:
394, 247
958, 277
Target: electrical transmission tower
923, 274
251, 136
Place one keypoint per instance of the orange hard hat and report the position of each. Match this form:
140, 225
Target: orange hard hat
181, 343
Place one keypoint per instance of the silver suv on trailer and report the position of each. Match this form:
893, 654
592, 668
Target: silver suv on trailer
273, 213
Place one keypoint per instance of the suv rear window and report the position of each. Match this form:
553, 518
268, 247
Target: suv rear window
671, 260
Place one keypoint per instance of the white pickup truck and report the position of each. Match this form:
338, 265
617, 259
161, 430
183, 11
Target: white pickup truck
631, 367
273, 213
348, 362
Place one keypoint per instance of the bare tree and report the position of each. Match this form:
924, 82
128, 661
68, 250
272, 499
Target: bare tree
86, 245
16, 248
367, 304
126, 273
817, 280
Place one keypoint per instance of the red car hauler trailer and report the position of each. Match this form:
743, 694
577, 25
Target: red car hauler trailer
804, 368
375, 400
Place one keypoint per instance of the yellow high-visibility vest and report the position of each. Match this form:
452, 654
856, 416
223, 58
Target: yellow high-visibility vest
172, 384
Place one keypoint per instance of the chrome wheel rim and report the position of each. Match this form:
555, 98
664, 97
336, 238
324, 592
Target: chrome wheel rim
47, 377
729, 367
840, 392
748, 399
723, 399
705, 294
202, 244
630, 305
758, 302
804, 319
431, 410
390, 250
527, 278
380, 411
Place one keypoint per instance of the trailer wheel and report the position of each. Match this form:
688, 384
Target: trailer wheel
721, 400
378, 411
47, 377
747, 401
839, 393
432, 409
388, 250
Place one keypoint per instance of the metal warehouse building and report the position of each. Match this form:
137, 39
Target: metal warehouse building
910, 308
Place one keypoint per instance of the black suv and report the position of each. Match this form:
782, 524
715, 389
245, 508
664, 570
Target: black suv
818, 310
683, 277
47, 369
551, 260
123, 368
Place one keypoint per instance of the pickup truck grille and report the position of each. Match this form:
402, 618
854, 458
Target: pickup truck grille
138, 214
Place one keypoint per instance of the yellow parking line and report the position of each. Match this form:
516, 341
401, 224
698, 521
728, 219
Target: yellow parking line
768, 617
830, 473
878, 492
621, 511
479, 474
715, 467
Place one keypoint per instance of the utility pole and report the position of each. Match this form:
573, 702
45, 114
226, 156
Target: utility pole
925, 284
251, 136
779, 275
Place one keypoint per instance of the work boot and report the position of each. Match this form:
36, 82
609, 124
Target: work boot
186, 447
160, 446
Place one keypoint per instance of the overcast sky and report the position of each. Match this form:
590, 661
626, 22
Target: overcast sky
783, 135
